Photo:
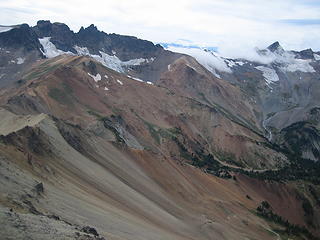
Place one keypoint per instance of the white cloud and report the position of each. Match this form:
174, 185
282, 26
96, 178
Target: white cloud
209, 60
234, 25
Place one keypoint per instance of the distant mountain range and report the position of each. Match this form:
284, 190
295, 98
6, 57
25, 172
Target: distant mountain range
181, 45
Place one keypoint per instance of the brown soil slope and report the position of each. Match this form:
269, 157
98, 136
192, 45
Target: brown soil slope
114, 154
153, 114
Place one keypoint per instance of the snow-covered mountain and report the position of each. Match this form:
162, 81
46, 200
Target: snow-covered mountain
135, 57
272, 57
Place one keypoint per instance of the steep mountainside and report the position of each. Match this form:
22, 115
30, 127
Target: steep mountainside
22, 44
282, 85
104, 136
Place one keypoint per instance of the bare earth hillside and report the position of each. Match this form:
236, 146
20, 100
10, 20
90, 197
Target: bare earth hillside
88, 150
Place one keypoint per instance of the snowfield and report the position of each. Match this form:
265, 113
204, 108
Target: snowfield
112, 62
50, 50
287, 62
269, 74
298, 65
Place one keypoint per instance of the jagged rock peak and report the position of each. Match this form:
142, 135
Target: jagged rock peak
91, 28
20, 36
43, 22
306, 54
275, 47
47, 23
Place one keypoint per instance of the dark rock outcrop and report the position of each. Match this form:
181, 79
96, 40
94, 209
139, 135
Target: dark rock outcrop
90, 230
275, 47
21, 36
61, 35
39, 188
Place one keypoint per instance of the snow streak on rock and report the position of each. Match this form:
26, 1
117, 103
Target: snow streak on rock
112, 62
269, 74
50, 49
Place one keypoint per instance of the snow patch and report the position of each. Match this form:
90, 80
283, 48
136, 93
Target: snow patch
20, 60
140, 80
105, 88
316, 57
230, 63
298, 65
5, 29
112, 62
96, 78
269, 74
106, 76
135, 62
50, 50
150, 60
121, 83
82, 50
134, 78
240, 63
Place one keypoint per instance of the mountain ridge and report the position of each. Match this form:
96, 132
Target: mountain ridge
144, 143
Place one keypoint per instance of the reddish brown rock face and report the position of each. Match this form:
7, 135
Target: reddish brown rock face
90, 153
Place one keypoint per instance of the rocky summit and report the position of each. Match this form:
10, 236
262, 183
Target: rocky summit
105, 136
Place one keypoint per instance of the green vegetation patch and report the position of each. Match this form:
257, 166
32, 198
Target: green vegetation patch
158, 133
228, 158
42, 69
264, 210
154, 131
95, 114
61, 95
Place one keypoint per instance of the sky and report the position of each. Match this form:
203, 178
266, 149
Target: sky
233, 26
